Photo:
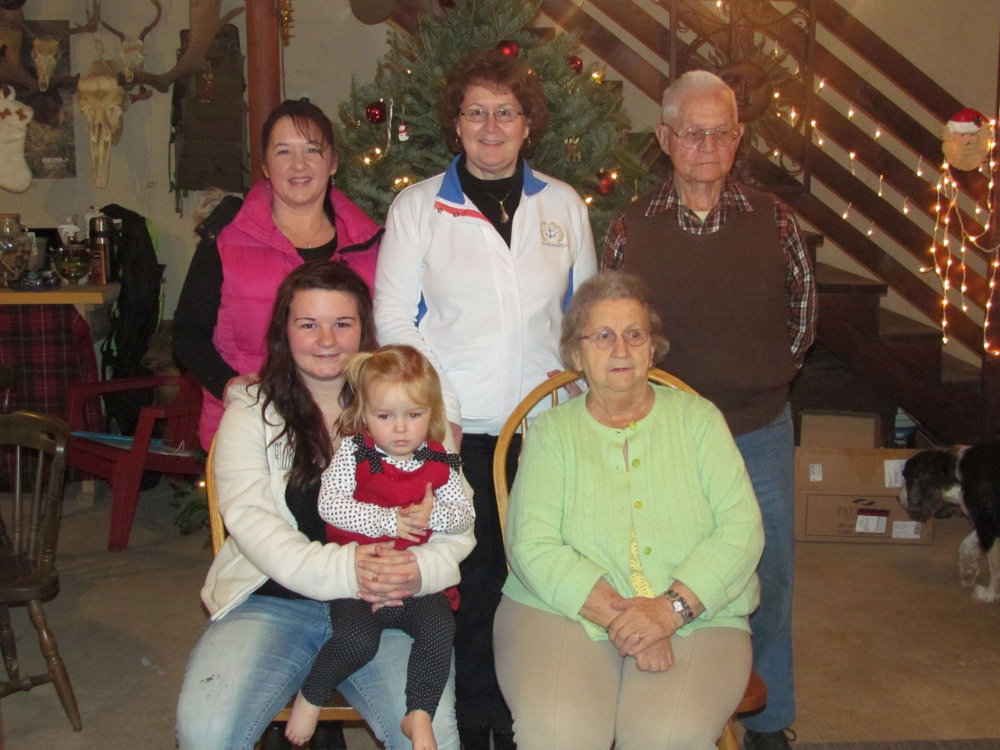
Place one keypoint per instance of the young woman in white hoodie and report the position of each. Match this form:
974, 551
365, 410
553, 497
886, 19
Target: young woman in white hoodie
267, 589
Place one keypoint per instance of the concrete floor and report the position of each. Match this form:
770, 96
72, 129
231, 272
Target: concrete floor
888, 647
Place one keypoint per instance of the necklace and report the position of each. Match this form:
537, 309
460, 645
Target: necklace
287, 231
504, 218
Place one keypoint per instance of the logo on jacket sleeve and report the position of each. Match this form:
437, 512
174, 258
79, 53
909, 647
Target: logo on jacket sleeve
553, 234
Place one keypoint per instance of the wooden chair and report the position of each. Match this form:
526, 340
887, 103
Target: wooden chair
123, 467
755, 696
29, 530
337, 708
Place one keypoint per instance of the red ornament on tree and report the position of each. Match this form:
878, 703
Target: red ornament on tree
508, 47
605, 183
375, 112
575, 63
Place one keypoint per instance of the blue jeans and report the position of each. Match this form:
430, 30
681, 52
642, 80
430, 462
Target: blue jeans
250, 663
769, 454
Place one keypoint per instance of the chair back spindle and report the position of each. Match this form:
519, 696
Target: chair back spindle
39, 446
28, 574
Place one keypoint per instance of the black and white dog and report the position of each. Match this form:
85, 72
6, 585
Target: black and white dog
969, 477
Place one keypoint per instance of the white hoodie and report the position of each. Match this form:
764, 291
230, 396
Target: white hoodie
250, 475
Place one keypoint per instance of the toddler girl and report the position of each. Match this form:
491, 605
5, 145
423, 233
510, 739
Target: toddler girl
390, 480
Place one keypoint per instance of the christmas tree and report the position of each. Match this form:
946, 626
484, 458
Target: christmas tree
389, 136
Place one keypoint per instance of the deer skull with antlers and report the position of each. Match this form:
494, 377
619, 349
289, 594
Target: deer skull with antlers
103, 102
134, 50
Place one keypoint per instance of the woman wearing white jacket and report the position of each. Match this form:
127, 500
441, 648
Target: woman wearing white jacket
267, 589
475, 269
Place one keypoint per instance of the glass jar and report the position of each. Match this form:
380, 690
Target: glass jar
15, 249
72, 261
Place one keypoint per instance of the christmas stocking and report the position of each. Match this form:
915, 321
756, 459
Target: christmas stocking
15, 176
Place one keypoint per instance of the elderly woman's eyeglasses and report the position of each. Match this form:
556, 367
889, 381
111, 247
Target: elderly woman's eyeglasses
725, 135
478, 114
606, 338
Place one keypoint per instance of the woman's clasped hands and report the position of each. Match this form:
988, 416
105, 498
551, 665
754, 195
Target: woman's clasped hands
385, 574
642, 629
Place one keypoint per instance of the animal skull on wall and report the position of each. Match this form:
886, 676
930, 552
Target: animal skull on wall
45, 54
133, 51
102, 101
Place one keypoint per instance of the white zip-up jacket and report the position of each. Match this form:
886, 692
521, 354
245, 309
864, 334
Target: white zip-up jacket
250, 475
487, 316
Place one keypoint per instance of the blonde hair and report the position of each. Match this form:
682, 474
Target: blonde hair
399, 365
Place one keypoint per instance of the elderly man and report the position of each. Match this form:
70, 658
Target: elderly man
734, 287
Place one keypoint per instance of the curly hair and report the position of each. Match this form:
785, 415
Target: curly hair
398, 365
607, 286
280, 381
494, 70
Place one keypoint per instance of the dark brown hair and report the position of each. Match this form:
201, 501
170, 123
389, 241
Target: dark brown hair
401, 365
494, 70
280, 381
310, 122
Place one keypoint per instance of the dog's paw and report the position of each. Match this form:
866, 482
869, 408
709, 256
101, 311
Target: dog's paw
968, 571
983, 594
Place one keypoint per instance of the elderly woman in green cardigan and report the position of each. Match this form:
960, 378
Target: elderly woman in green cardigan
633, 534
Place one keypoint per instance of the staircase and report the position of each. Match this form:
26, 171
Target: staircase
867, 358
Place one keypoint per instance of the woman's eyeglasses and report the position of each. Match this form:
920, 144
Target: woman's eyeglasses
606, 338
726, 135
478, 114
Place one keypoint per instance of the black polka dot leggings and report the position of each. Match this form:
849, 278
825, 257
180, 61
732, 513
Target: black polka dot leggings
357, 632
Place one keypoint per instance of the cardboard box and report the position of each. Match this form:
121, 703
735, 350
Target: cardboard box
839, 430
850, 495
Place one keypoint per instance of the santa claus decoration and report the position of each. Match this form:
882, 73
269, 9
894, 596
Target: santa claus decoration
967, 139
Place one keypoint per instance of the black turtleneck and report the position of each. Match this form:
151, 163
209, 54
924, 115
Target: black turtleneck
488, 195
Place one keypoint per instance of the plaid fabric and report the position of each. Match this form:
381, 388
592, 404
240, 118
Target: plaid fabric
49, 348
800, 285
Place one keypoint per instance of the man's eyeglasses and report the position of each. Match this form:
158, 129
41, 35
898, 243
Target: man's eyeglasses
725, 135
478, 114
606, 338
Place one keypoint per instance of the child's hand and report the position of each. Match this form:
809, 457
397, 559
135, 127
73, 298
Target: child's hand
412, 521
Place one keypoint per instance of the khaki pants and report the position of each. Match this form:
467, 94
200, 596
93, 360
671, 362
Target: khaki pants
569, 692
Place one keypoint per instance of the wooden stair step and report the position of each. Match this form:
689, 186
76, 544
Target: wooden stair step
847, 296
958, 371
894, 325
831, 280
917, 343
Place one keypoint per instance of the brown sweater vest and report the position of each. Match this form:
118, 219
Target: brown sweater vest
723, 301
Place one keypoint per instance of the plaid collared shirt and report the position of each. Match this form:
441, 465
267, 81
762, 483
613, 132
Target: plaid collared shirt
800, 284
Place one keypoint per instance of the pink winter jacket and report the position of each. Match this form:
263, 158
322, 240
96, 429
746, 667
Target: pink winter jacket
256, 257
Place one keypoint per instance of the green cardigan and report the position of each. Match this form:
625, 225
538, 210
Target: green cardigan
689, 499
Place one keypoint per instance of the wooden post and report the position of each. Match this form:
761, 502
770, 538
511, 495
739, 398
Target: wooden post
263, 73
